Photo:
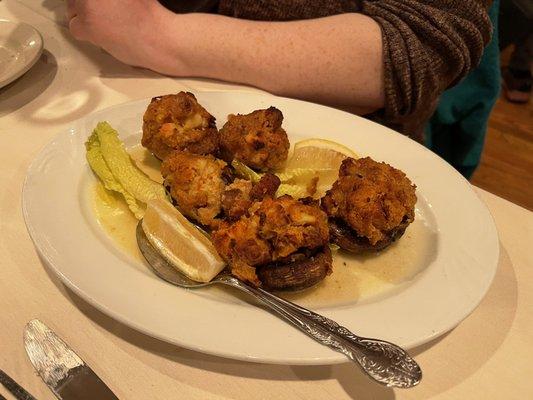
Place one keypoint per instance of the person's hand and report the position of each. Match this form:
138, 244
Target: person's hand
127, 29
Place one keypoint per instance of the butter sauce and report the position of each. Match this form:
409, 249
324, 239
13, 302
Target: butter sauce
355, 279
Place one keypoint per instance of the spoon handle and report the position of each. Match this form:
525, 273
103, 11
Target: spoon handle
385, 362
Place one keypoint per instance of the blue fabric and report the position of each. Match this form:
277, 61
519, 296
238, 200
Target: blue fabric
456, 131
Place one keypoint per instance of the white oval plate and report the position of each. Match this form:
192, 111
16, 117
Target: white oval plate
459, 271
20, 47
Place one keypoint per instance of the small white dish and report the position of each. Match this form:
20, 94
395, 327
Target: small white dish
20, 47
457, 269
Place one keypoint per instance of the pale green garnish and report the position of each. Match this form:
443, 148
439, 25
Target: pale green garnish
135, 181
333, 247
245, 171
289, 179
110, 161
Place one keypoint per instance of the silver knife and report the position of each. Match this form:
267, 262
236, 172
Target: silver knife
63, 371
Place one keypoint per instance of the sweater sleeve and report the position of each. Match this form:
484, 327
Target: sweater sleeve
286, 10
428, 46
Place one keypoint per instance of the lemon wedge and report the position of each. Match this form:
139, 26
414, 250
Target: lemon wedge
315, 159
326, 144
180, 242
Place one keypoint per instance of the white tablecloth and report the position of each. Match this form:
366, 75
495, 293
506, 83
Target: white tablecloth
485, 357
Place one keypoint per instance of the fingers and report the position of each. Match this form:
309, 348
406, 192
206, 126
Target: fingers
76, 14
77, 28
71, 9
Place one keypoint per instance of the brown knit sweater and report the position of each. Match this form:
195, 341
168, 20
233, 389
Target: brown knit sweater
428, 45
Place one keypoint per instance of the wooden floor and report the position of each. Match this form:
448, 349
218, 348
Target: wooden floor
506, 167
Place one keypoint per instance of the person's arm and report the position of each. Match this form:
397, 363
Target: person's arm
428, 46
335, 60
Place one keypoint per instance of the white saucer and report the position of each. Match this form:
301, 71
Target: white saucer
20, 47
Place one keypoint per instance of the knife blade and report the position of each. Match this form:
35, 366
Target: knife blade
63, 371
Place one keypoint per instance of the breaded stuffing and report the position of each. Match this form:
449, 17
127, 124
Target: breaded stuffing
256, 139
266, 187
199, 188
178, 122
272, 230
372, 197
236, 199
196, 184
239, 195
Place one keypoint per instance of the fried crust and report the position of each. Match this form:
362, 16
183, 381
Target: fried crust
178, 122
239, 195
204, 190
196, 184
256, 139
236, 199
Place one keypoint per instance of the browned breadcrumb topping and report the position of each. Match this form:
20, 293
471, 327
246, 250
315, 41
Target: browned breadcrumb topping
199, 187
239, 195
236, 198
196, 184
266, 187
271, 230
178, 122
256, 139
372, 197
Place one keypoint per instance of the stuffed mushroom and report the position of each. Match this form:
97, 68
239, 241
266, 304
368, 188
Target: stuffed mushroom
178, 122
369, 206
280, 244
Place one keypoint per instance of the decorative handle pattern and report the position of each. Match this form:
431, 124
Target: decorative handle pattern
385, 362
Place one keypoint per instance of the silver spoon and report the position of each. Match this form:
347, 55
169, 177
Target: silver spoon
384, 362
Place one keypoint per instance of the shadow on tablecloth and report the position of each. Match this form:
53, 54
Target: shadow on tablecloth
29, 86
